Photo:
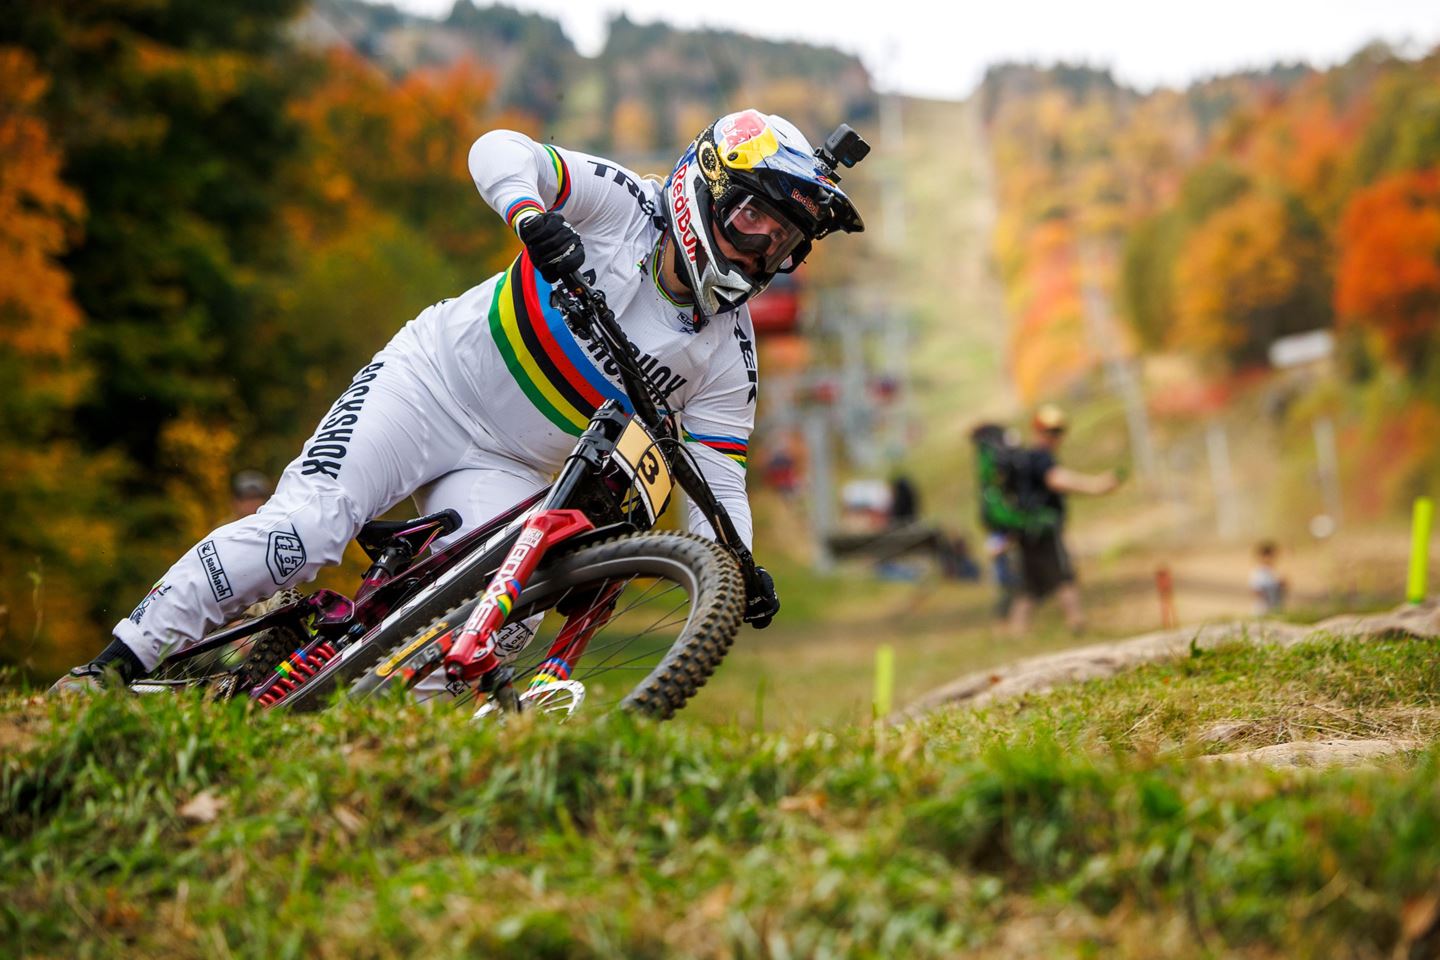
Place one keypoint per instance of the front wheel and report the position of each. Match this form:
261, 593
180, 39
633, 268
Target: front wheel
658, 612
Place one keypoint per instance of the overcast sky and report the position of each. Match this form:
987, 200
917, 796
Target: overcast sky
938, 49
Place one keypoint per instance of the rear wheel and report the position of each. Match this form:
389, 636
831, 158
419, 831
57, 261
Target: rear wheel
233, 669
667, 606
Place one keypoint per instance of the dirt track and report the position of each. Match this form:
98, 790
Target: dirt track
1042, 673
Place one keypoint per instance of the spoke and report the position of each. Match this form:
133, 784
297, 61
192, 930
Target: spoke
645, 595
593, 668
590, 668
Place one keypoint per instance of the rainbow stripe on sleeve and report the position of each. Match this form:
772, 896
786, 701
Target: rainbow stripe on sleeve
513, 212
562, 177
733, 447
549, 364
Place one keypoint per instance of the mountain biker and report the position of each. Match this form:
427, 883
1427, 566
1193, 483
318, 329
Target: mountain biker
478, 400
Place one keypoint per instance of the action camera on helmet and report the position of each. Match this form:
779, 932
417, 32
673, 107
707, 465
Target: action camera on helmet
844, 147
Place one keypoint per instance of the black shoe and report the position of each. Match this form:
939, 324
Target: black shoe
86, 680
116, 665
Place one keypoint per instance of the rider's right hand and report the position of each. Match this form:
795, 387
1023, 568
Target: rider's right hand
763, 602
555, 248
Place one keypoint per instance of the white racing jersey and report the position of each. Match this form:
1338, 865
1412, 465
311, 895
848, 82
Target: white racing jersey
479, 399
507, 360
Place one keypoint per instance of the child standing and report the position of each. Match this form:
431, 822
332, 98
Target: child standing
1265, 583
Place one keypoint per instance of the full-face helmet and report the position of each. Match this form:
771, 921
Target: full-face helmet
753, 179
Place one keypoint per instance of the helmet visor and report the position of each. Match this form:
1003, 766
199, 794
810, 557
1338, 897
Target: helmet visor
762, 234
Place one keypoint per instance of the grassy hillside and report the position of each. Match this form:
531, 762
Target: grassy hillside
1078, 823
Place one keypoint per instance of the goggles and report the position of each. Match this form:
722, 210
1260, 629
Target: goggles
756, 227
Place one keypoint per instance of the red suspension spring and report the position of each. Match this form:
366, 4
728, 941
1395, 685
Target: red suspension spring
295, 670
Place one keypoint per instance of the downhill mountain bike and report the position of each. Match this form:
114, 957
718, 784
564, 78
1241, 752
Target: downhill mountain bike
627, 616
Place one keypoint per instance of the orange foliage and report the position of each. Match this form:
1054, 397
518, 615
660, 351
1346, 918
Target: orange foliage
37, 217
1048, 344
1305, 141
375, 142
1389, 261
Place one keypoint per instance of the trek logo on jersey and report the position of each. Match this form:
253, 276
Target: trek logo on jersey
606, 172
284, 555
331, 442
209, 556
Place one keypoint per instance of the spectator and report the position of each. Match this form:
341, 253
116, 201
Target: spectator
1045, 566
997, 454
1267, 584
904, 501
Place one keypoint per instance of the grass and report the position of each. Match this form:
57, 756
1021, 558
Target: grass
1078, 823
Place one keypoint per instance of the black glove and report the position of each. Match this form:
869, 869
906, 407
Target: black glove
762, 603
555, 248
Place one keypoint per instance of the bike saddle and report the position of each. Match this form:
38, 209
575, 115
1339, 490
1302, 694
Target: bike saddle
415, 534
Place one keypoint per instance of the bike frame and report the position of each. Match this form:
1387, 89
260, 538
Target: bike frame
511, 545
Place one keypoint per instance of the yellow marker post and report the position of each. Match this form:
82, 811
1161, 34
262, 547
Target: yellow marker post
1419, 549
884, 680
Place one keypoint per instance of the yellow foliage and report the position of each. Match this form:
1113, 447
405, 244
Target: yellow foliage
197, 455
1238, 261
633, 123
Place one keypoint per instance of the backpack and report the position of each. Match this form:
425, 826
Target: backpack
1008, 501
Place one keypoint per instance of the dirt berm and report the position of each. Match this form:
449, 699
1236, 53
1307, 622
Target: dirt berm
1042, 673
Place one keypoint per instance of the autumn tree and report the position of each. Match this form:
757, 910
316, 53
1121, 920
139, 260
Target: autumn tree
168, 121
173, 128
1388, 279
53, 532
1254, 271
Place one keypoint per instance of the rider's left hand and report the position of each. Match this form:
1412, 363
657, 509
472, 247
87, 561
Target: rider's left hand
763, 602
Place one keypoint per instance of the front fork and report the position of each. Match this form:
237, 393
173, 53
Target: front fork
473, 656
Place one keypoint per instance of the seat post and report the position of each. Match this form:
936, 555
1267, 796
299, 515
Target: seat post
391, 561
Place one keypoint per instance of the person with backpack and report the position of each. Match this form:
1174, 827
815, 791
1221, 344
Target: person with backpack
997, 463
1041, 486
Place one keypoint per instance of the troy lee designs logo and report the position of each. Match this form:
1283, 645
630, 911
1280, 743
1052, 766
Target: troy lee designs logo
681, 207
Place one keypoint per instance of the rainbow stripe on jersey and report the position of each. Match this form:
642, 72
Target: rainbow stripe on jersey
562, 177
552, 368
530, 204
513, 212
733, 447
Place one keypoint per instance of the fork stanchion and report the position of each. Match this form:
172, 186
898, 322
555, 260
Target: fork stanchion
1419, 549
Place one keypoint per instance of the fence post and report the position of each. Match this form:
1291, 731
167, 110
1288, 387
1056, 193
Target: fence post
1419, 549
884, 680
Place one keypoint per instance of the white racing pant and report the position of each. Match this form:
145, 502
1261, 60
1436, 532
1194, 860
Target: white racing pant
387, 437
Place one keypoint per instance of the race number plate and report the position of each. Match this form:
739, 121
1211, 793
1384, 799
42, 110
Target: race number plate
640, 459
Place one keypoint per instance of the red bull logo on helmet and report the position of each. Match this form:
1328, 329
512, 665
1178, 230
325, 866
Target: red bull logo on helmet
680, 206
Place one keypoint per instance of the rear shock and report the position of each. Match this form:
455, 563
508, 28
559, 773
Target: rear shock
295, 670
